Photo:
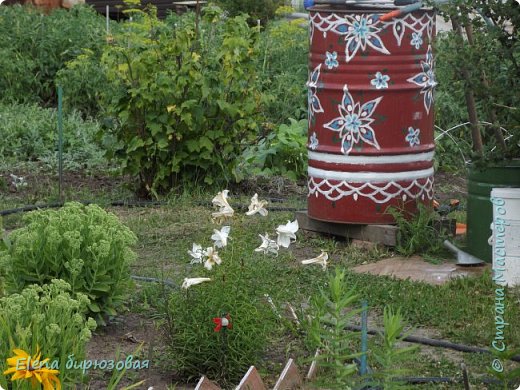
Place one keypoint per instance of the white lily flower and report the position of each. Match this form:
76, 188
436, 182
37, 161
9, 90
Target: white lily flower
321, 259
220, 236
268, 245
196, 253
223, 215
257, 206
212, 258
188, 282
225, 210
286, 233
220, 200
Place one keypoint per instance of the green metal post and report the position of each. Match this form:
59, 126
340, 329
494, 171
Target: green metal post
60, 141
364, 338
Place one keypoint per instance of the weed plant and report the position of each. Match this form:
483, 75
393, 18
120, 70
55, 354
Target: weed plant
332, 310
281, 153
417, 233
282, 65
262, 10
388, 356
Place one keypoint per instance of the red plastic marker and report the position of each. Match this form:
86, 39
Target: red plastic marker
222, 322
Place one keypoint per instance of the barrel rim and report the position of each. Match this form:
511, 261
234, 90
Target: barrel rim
352, 8
506, 192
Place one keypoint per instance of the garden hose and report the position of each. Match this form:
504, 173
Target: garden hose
167, 282
132, 203
55, 205
433, 342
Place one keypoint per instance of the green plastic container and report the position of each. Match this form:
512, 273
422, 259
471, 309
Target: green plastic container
479, 208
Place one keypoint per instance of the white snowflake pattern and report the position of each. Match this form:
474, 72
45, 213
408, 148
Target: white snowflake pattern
354, 122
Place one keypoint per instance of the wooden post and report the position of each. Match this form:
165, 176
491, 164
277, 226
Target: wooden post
251, 381
289, 378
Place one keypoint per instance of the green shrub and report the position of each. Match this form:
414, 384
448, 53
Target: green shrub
49, 318
35, 47
263, 10
83, 83
29, 133
484, 63
283, 152
83, 245
235, 288
185, 100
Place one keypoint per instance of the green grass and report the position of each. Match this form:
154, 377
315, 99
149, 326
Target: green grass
459, 311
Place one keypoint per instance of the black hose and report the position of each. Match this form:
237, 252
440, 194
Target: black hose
167, 282
433, 342
130, 203
440, 379
55, 205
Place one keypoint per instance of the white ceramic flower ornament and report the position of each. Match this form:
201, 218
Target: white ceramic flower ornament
286, 233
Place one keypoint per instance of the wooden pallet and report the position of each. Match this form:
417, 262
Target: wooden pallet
381, 234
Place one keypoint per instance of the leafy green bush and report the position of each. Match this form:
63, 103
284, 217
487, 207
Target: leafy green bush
282, 152
83, 83
49, 318
83, 245
490, 27
29, 133
35, 47
184, 98
263, 10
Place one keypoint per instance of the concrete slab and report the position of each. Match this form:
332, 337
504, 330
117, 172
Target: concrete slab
417, 269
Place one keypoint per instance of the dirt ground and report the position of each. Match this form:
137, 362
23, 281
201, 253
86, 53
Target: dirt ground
125, 335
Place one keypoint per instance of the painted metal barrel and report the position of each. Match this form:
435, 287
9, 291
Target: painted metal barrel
370, 93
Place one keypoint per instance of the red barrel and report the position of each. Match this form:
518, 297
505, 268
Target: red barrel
370, 94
